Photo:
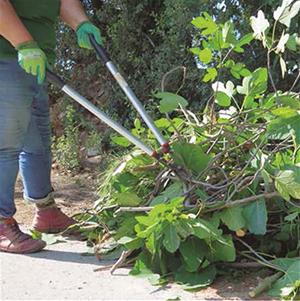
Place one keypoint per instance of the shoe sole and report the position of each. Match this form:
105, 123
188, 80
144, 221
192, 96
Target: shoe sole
37, 249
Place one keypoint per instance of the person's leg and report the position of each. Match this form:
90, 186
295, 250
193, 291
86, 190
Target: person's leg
35, 167
15, 114
35, 158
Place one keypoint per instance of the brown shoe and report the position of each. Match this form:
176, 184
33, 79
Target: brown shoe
51, 220
13, 240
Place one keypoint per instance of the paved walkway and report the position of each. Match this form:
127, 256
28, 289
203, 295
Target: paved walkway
61, 272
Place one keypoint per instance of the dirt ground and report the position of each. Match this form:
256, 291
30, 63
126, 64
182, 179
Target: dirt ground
77, 193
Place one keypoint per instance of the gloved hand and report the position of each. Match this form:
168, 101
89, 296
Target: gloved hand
32, 59
83, 31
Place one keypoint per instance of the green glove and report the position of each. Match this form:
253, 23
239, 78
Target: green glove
32, 59
83, 31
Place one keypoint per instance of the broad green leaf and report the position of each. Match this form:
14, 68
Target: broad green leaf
141, 270
249, 102
193, 251
184, 228
125, 182
205, 56
281, 128
243, 41
122, 141
292, 275
131, 243
190, 156
292, 42
228, 33
162, 123
195, 50
223, 252
256, 217
52, 239
287, 183
233, 218
285, 263
211, 74
259, 82
222, 99
173, 191
193, 281
285, 112
205, 230
206, 23
170, 101
290, 101
171, 240
128, 199
151, 244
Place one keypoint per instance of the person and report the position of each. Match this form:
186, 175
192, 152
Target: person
27, 43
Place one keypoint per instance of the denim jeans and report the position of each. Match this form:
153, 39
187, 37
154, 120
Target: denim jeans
25, 137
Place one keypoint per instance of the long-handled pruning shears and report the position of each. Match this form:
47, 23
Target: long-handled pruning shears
102, 54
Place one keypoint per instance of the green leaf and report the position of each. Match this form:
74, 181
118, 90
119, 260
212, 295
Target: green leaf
190, 156
223, 252
259, 81
206, 230
285, 112
205, 56
170, 101
128, 199
285, 263
122, 141
288, 184
255, 84
131, 243
162, 123
206, 23
125, 182
233, 218
292, 42
193, 281
249, 102
52, 239
228, 33
171, 239
141, 270
184, 229
292, 275
243, 41
256, 217
281, 128
193, 251
211, 74
222, 99
173, 191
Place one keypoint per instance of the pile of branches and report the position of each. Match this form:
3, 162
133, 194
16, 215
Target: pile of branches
230, 189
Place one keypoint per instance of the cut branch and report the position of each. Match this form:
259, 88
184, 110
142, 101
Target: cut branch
244, 201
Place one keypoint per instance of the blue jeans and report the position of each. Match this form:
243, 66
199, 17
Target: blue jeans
25, 137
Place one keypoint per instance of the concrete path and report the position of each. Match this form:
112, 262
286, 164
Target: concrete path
62, 273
